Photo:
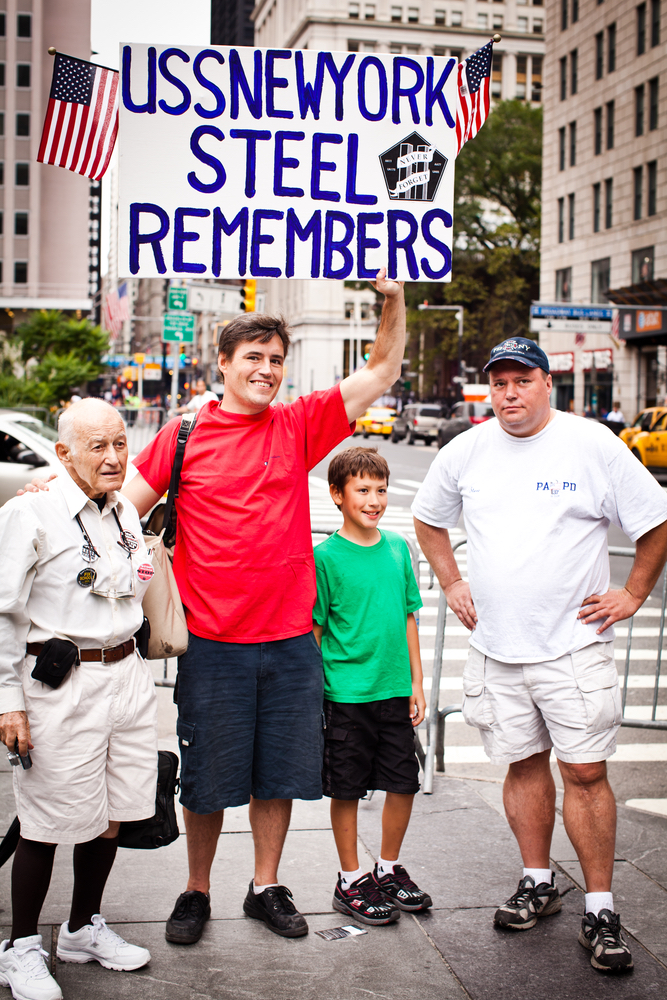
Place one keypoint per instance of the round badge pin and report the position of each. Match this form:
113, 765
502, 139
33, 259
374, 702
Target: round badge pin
145, 572
88, 552
86, 577
129, 541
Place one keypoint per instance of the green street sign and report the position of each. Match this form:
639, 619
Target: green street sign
179, 326
178, 299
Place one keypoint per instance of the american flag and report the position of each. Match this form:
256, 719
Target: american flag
472, 107
82, 117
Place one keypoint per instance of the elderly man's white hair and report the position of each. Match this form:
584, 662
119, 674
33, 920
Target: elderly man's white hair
85, 410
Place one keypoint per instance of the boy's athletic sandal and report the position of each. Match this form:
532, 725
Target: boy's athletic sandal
364, 901
23, 969
95, 942
275, 907
529, 902
603, 937
398, 888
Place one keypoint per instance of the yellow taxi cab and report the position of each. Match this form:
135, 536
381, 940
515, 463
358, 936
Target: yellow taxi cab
376, 420
650, 446
644, 423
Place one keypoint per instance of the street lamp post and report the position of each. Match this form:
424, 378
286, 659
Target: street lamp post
459, 315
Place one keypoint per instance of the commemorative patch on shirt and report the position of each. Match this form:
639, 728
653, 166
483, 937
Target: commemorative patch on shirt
86, 577
88, 552
129, 541
145, 572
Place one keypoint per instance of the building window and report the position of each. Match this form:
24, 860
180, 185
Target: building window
20, 223
564, 284
497, 22
563, 79
638, 184
2, 172
440, 50
2, 24
483, 20
655, 23
397, 13
521, 77
368, 46
353, 45
600, 272
440, 18
642, 265
395, 47
653, 104
570, 216
610, 125
456, 54
561, 148
574, 64
2, 74
20, 272
536, 3
413, 15
22, 124
353, 11
563, 14
497, 75
599, 55
2, 122
609, 203
369, 12
538, 26
522, 24
457, 19
561, 220
597, 126
24, 25
639, 109
22, 75
641, 29
596, 208
22, 174
611, 48
536, 79
2, 223
573, 144
575, 11
652, 170
412, 50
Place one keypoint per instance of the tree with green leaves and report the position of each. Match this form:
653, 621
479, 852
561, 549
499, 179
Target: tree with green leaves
49, 356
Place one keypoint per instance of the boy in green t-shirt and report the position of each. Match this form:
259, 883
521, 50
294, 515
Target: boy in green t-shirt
364, 622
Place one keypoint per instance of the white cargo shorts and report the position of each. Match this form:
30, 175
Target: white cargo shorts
571, 704
95, 755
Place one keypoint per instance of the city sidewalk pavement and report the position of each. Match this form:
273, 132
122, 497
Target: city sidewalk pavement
459, 848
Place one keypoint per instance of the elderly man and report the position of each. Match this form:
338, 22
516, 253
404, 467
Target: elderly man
75, 696
538, 493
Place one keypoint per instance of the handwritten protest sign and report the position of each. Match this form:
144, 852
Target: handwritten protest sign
283, 163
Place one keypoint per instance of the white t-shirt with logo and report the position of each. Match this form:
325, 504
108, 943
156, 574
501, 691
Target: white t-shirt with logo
536, 513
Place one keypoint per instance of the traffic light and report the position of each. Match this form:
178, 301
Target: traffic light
367, 350
248, 295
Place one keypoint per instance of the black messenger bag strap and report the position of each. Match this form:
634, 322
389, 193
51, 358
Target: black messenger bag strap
188, 421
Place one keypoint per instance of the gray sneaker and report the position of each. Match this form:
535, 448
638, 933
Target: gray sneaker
602, 936
529, 902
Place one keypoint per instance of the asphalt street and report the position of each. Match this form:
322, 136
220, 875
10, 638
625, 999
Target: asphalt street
637, 771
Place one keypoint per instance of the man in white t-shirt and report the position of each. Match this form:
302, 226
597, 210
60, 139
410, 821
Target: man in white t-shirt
538, 491
202, 396
616, 414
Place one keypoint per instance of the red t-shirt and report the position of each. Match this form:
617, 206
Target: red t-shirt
244, 556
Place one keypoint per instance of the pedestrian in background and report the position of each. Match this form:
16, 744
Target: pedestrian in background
538, 493
201, 396
615, 415
373, 686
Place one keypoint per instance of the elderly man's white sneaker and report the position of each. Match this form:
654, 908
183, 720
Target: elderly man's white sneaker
23, 969
98, 943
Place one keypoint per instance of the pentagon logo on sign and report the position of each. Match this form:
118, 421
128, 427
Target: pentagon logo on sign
412, 169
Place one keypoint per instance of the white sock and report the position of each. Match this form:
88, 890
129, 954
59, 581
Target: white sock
347, 878
260, 888
596, 901
538, 875
386, 867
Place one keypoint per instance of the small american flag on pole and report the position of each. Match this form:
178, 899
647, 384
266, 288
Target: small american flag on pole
472, 107
82, 117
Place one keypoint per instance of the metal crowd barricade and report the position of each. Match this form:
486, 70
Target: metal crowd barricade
435, 747
142, 425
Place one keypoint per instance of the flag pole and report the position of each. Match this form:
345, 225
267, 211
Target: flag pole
494, 38
52, 50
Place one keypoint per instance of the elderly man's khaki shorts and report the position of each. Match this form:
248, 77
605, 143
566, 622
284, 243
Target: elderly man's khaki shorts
95, 756
572, 704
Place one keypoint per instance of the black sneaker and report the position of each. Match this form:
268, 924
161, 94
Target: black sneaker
186, 923
275, 907
364, 901
529, 902
398, 888
602, 936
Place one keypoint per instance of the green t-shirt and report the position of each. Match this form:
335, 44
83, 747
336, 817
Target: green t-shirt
364, 595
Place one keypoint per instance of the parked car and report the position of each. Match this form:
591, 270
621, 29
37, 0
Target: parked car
650, 446
418, 422
643, 423
462, 418
26, 444
376, 420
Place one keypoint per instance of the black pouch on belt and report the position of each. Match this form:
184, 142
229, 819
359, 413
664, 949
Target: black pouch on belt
55, 661
141, 637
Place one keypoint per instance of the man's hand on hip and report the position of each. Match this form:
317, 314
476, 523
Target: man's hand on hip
13, 726
460, 601
614, 606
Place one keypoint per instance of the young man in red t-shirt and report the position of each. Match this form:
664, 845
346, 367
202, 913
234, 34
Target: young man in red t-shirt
250, 685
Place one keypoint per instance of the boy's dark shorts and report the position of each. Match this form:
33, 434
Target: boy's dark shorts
369, 745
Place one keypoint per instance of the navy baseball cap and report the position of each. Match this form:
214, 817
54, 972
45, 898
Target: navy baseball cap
520, 349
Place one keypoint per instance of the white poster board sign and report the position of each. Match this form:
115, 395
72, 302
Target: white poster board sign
281, 163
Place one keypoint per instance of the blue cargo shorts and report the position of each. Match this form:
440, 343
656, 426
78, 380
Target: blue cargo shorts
250, 722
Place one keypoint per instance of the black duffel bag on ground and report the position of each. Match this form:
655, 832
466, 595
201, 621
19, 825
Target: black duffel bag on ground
162, 828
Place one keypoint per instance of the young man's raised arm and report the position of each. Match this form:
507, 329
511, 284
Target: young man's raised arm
362, 388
